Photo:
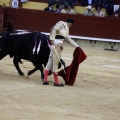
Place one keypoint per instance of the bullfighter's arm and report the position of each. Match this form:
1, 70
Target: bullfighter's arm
69, 40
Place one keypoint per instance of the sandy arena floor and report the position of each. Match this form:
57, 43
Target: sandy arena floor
94, 96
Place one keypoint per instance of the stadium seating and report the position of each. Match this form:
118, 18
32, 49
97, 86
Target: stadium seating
6, 2
34, 5
41, 4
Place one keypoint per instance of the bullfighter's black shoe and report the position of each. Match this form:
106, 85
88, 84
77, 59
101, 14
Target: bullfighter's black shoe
45, 83
58, 85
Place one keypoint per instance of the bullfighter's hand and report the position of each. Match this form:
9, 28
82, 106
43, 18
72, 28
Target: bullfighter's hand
61, 47
52, 42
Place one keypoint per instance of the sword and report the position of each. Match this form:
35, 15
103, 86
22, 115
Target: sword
59, 59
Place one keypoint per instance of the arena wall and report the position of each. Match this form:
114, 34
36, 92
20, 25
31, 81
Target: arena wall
1, 18
94, 28
37, 20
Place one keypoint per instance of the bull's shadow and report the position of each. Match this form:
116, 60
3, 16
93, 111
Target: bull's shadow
31, 46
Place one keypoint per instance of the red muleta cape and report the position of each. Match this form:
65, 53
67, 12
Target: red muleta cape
71, 71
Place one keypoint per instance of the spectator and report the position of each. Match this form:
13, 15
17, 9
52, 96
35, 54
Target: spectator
99, 12
105, 3
70, 10
117, 12
60, 9
89, 2
70, 2
50, 7
116, 8
96, 2
109, 6
51, 1
88, 12
59, 2
75, 1
65, 3
84, 2
4, 5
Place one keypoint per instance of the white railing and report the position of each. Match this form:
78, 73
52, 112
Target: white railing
90, 38
87, 38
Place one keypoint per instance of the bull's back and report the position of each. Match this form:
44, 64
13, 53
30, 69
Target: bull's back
20, 45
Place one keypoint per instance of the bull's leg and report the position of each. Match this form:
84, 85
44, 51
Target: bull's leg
2, 55
32, 71
42, 73
38, 66
16, 64
35, 69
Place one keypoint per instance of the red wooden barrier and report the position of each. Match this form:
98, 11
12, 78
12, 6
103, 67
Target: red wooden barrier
1, 18
37, 20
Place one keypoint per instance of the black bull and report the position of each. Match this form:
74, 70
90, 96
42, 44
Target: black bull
24, 46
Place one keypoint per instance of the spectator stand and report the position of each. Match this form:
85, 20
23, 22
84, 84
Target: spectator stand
42, 4
34, 5
6, 2
81, 9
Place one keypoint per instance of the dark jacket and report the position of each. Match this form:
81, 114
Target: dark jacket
48, 9
85, 2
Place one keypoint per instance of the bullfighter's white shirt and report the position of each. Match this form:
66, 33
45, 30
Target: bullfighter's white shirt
62, 29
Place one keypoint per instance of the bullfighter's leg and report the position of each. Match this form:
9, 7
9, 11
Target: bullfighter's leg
16, 64
53, 64
48, 67
50, 72
56, 57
